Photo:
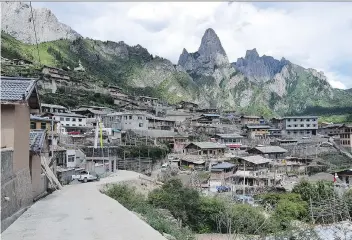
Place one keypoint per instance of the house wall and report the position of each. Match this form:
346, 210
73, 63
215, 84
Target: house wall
346, 138
38, 178
38, 125
245, 121
21, 137
16, 187
70, 163
300, 126
72, 121
7, 125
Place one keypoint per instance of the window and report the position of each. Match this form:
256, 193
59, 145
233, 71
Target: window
295, 125
125, 117
302, 125
313, 119
288, 120
73, 119
73, 125
314, 125
140, 124
70, 158
130, 117
308, 125
301, 119
294, 132
288, 125
67, 124
43, 125
79, 119
80, 125
295, 119
140, 117
62, 119
67, 119
301, 132
33, 125
308, 120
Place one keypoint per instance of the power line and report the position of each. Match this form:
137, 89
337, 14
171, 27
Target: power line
35, 32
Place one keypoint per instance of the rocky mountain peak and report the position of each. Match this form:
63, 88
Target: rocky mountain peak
252, 54
210, 44
16, 20
259, 69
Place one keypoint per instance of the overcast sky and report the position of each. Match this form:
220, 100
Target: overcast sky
315, 35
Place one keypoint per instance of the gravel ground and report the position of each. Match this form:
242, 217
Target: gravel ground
81, 212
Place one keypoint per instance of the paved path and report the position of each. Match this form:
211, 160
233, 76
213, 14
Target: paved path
81, 212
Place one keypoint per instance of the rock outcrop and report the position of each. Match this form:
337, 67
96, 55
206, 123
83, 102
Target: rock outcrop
16, 20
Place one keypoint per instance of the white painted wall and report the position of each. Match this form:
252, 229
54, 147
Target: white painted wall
72, 121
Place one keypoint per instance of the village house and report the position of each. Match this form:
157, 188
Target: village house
330, 130
274, 133
44, 123
273, 152
230, 140
56, 73
345, 176
277, 122
177, 116
257, 131
205, 149
346, 136
187, 106
116, 91
19, 98
93, 113
222, 170
68, 120
126, 120
150, 101
52, 108
298, 126
253, 163
208, 118
160, 123
245, 120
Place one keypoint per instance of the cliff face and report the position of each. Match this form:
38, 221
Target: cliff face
254, 84
16, 20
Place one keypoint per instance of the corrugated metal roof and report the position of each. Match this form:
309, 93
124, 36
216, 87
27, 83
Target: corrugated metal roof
224, 165
43, 119
271, 149
257, 159
234, 135
210, 115
258, 126
52, 106
16, 88
207, 145
300, 117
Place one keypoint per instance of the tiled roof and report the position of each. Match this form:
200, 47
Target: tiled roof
36, 140
16, 88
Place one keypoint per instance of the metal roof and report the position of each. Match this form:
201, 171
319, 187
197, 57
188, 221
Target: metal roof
234, 135
43, 119
257, 159
36, 140
300, 117
271, 149
210, 115
258, 126
223, 165
67, 115
53, 106
16, 88
207, 145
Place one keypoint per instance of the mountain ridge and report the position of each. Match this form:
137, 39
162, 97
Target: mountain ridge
253, 84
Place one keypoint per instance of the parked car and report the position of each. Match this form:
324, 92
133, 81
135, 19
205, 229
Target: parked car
223, 189
86, 176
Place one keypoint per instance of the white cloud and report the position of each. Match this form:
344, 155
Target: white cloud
315, 35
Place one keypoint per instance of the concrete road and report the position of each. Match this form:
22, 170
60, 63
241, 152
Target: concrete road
81, 212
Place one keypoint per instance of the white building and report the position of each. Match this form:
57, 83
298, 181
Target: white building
300, 126
71, 119
126, 120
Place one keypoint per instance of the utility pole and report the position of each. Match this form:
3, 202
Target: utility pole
244, 180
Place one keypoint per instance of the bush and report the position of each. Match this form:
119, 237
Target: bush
314, 191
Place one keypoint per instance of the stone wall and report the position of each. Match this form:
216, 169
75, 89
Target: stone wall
16, 190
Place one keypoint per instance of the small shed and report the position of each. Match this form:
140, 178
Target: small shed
205, 148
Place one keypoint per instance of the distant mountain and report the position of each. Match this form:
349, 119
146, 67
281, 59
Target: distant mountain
16, 20
253, 84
